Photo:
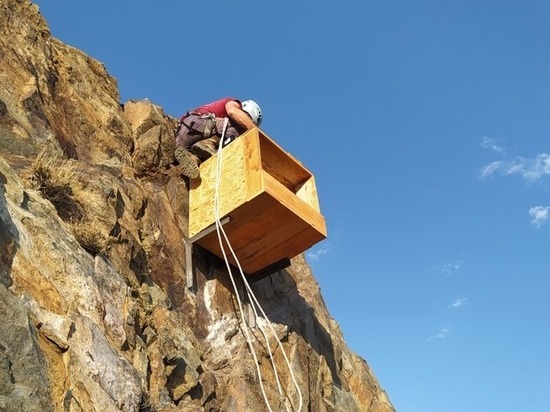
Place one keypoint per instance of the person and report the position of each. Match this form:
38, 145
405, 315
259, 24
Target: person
200, 130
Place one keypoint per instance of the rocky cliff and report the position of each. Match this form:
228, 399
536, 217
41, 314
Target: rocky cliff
94, 312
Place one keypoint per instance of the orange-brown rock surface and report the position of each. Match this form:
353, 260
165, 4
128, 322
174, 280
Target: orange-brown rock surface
94, 311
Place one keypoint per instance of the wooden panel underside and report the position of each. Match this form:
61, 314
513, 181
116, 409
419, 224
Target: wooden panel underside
263, 231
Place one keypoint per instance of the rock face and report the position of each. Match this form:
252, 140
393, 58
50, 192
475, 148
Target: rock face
94, 312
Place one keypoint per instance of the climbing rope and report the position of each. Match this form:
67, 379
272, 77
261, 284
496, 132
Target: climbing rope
251, 296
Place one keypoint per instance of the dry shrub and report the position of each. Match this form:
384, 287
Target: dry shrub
89, 237
55, 176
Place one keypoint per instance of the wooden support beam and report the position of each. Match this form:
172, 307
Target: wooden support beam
269, 270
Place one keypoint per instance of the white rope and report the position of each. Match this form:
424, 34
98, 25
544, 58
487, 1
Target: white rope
252, 298
218, 230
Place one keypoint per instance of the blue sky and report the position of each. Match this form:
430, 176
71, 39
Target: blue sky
426, 125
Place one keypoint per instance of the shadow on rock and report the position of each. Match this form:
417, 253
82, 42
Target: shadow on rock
280, 298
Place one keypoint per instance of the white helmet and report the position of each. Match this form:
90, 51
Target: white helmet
252, 108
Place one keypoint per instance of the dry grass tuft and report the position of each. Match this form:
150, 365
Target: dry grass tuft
55, 177
89, 237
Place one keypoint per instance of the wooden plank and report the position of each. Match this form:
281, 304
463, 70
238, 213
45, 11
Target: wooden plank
290, 248
307, 191
253, 220
279, 164
265, 241
294, 203
269, 270
253, 166
232, 189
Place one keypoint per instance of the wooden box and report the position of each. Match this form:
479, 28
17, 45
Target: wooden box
269, 197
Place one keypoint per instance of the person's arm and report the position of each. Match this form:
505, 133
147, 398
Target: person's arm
238, 115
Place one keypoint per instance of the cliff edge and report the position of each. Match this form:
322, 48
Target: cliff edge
94, 312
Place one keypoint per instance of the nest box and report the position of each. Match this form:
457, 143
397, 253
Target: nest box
267, 198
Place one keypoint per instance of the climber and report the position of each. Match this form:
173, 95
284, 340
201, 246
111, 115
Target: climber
199, 131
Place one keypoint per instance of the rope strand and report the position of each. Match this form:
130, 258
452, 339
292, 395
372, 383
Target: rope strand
251, 296
219, 229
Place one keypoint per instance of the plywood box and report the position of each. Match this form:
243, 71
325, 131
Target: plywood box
269, 197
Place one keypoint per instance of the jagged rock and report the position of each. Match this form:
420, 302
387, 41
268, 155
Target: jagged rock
95, 315
55, 328
153, 135
24, 380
